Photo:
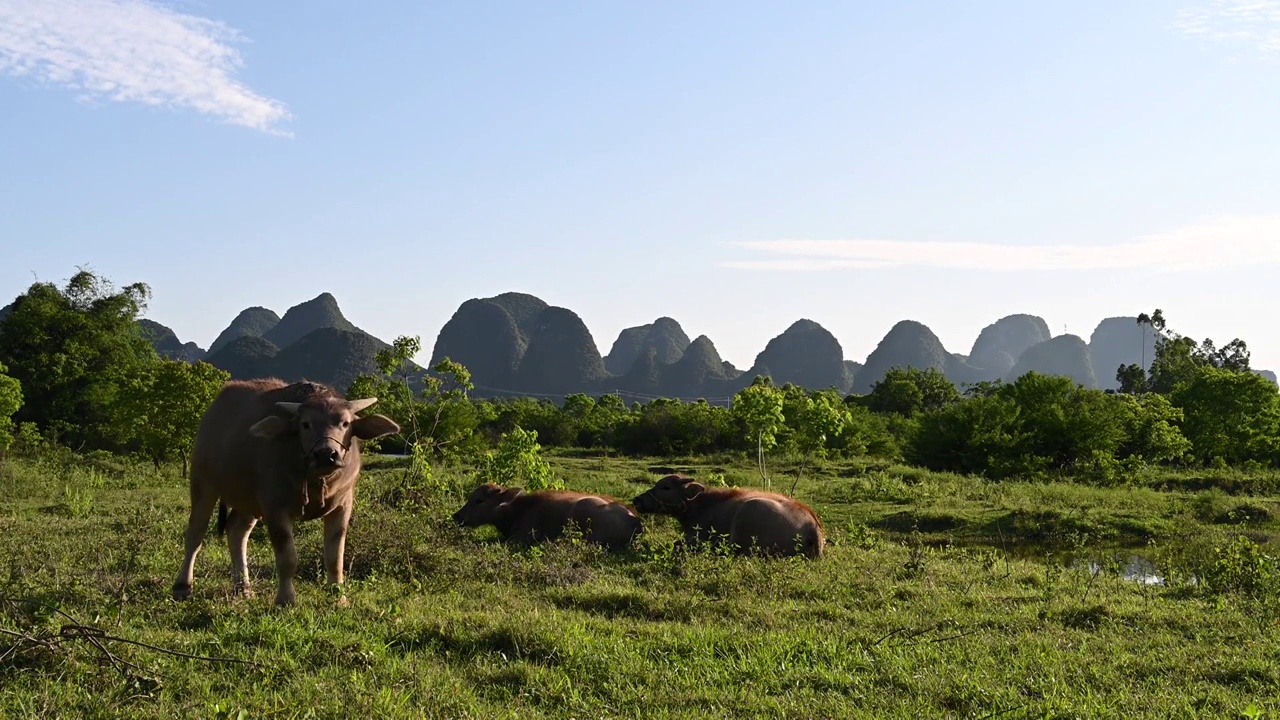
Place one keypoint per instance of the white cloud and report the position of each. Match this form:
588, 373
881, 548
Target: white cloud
133, 51
1251, 23
1220, 243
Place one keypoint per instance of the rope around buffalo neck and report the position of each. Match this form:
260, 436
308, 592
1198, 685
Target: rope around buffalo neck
323, 480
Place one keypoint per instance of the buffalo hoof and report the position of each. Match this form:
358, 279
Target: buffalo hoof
243, 591
342, 601
181, 591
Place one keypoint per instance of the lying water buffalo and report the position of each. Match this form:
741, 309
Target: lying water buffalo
281, 452
531, 517
767, 522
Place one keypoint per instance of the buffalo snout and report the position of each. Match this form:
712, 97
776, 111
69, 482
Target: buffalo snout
326, 457
644, 502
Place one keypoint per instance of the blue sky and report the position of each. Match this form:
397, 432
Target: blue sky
735, 165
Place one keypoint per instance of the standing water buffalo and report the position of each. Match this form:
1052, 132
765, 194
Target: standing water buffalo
281, 452
531, 517
768, 522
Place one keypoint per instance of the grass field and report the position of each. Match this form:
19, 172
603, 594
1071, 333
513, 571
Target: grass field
940, 596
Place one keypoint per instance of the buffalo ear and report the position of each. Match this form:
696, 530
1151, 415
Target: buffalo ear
374, 426
510, 494
269, 427
693, 490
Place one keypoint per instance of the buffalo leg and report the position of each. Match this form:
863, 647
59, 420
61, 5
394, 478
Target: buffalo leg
335, 542
239, 525
202, 505
280, 530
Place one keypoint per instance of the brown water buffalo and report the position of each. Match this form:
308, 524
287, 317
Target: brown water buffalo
281, 452
752, 520
531, 517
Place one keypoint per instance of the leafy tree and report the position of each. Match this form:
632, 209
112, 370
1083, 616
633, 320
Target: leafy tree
439, 419
981, 435
1063, 424
1178, 358
161, 411
758, 407
10, 401
819, 419
1153, 433
1231, 417
393, 385
517, 461
910, 390
866, 433
1038, 423
74, 349
1132, 379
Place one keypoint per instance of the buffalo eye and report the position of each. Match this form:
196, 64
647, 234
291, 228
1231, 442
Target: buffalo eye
346, 423
306, 425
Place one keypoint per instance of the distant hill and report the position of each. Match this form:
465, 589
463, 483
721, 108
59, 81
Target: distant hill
561, 357
1000, 344
664, 336
489, 336
329, 355
805, 354
515, 343
247, 357
907, 344
302, 319
313, 341
1063, 355
1267, 374
1120, 341
254, 322
167, 344
698, 372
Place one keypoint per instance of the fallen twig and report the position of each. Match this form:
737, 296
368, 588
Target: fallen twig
95, 636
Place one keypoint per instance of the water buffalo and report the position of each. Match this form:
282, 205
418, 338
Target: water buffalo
281, 452
767, 522
531, 517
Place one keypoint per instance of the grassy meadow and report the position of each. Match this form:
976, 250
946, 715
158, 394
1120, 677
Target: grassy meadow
939, 596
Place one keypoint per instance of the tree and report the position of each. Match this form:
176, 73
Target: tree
821, 417
758, 407
73, 349
10, 402
1178, 358
162, 409
909, 391
980, 435
1230, 417
1153, 429
439, 417
1132, 379
1146, 322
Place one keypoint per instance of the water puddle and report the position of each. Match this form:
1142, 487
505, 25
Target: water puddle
1127, 563
1129, 566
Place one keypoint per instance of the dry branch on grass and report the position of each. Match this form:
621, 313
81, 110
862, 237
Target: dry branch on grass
46, 640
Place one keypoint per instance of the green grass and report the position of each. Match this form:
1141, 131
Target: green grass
940, 596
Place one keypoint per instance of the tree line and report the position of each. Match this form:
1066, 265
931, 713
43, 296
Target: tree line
77, 371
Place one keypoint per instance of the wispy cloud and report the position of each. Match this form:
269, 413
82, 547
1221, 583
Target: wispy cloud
1251, 23
1220, 243
133, 51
